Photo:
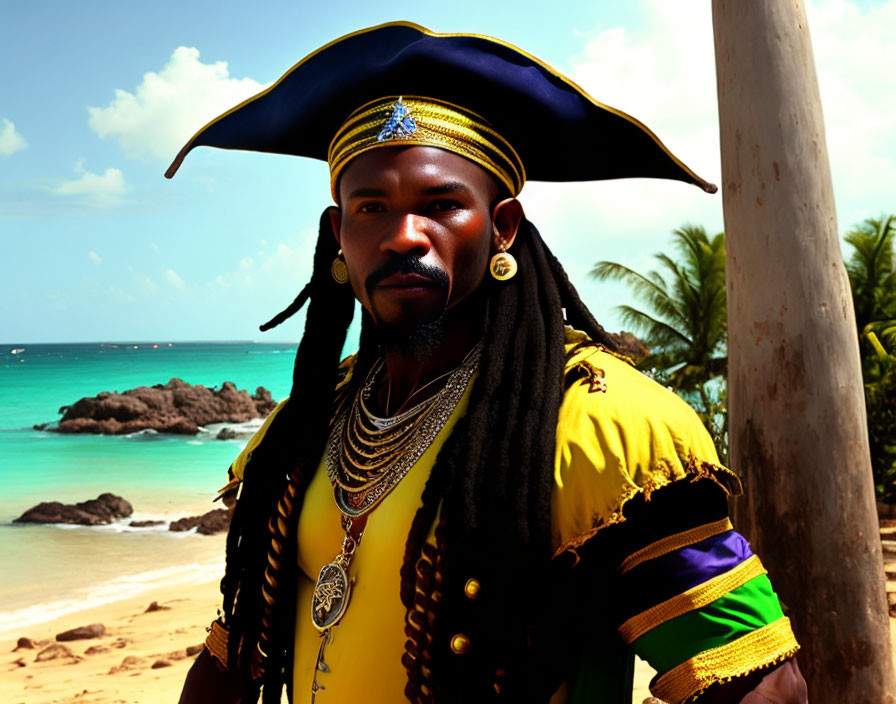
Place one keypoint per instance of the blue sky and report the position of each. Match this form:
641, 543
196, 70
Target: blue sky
96, 98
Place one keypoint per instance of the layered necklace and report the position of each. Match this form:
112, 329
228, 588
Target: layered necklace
366, 457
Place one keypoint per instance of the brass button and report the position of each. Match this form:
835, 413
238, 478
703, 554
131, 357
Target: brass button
460, 644
472, 588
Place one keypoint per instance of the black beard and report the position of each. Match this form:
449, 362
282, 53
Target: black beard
417, 341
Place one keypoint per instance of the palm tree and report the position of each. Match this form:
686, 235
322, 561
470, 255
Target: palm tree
685, 323
872, 276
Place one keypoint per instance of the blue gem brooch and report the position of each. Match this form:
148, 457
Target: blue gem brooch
399, 124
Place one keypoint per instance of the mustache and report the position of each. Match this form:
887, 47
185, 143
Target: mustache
407, 265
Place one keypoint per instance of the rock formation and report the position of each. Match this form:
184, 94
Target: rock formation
99, 511
94, 630
176, 407
629, 345
215, 521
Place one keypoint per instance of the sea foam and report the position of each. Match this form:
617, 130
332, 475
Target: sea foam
16, 621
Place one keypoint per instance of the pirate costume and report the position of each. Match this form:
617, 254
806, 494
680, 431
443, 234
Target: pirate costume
644, 557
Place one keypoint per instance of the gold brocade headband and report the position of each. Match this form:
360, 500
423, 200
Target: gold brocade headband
419, 121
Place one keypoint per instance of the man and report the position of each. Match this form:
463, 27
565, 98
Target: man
486, 502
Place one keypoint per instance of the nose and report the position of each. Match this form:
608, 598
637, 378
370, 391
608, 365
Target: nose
409, 237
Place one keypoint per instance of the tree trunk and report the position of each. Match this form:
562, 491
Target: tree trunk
797, 412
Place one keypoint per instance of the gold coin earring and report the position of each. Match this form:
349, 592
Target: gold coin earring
338, 269
503, 265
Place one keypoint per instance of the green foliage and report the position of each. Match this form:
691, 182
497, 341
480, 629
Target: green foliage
872, 276
880, 403
683, 321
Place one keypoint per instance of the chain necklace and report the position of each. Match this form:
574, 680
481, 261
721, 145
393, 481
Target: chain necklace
366, 457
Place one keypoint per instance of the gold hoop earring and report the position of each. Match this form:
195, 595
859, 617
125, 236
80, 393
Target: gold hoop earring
338, 269
503, 265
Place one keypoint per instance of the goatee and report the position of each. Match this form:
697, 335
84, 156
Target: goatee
417, 341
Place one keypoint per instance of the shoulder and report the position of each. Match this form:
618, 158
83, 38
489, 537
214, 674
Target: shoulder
620, 434
238, 467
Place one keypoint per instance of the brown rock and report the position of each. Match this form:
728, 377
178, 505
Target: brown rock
54, 652
226, 434
176, 407
629, 345
156, 606
160, 663
145, 524
19, 661
24, 644
215, 521
131, 662
103, 509
184, 524
195, 649
263, 401
94, 630
96, 650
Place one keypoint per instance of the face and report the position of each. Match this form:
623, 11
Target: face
417, 227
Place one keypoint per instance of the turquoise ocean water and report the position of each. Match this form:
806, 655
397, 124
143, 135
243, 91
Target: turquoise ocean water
52, 570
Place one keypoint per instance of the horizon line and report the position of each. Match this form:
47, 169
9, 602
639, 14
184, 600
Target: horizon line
153, 342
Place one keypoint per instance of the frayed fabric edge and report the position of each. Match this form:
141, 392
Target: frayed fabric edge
694, 470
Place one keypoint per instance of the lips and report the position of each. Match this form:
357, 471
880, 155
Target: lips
407, 281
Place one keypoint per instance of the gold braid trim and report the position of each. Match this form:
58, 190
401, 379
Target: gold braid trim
662, 475
216, 642
766, 646
693, 598
674, 542
438, 124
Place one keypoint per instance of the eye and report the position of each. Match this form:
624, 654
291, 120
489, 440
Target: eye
371, 207
444, 205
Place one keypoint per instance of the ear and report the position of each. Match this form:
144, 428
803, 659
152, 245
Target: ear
336, 222
506, 218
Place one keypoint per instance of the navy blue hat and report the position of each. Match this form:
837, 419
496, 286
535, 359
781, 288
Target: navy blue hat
558, 131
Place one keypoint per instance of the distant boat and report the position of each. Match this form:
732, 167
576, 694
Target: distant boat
18, 350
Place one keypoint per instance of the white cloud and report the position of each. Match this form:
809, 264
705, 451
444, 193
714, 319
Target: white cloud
858, 94
10, 140
97, 190
95, 258
173, 278
663, 73
168, 107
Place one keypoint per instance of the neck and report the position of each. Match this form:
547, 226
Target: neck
406, 375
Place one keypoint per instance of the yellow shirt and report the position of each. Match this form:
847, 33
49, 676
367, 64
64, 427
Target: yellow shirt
618, 433
365, 649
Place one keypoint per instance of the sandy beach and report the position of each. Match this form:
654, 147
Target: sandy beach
143, 656
125, 665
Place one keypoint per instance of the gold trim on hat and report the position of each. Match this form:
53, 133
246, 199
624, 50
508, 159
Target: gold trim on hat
438, 124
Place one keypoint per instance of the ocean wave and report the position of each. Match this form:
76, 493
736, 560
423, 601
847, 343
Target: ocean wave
111, 591
124, 525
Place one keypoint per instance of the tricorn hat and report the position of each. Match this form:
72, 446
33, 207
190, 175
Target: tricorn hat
557, 130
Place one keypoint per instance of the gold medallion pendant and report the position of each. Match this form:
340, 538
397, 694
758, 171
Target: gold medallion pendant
331, 595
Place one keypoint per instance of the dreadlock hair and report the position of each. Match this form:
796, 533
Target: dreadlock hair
491, 483
288, 459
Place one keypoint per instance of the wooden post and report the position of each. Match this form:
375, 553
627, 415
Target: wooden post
797, 412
